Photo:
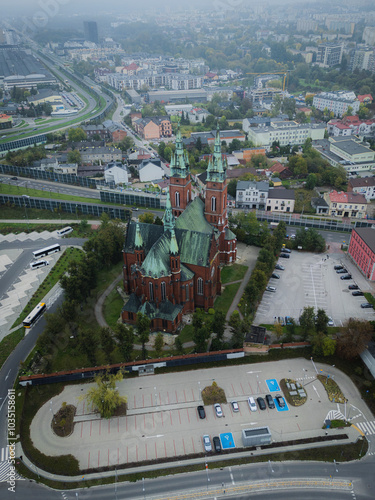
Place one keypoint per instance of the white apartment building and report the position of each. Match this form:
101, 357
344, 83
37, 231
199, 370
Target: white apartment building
337, 102
286, 133
251, 194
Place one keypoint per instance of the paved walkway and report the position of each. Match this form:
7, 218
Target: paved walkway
99, 304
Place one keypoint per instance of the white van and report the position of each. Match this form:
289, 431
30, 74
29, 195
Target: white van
252, 405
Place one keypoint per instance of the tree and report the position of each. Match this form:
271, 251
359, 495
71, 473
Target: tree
311, 181
126, 143
76, 135
353, 338
106, 341
321, 321
146, 218
323, 345
307, 321
159, 344
143, 331
74, 157
218, 324
232, 186
105, 396
125, 336
200, 337
178, 346
158, 221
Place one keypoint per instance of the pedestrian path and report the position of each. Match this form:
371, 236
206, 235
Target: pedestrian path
44, 235
5, 466
367, 427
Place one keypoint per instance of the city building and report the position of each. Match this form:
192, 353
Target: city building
362, 59
342, 204
153, 128
348, 152
91, 31
280, 200
171, 270
150, 170
251, 194
363, 185
336, 102
285, 133
329, 54
6, 121
362, 250
101, 155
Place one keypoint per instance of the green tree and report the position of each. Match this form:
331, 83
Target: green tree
87, 341
307, 322
159, 344
146, 218
353, 338
105, 397
218, 324
125, 336
143, 331
321, 321
106, 341
311, 181
178, 346
74, 157
200, 337
232, 186
76, 135
126, 143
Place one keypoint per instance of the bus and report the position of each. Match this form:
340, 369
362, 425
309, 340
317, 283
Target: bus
46, 251
39, 263
34, 315
64, 231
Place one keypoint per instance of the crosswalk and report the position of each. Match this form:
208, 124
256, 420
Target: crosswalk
5, 466
367, 427
4, 454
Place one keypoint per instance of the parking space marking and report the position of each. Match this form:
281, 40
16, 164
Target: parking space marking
227, 441
243, 392
272, 384
279, 408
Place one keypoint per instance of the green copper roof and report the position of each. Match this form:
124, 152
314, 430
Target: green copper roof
138, 243
229, 235
193, 219
149, 233
168, 218
173, 249
180, 161
216, 169
164, 310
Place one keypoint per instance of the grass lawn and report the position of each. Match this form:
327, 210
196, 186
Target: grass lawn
8, 344
112, 307
186, 334
223, 302
234, 272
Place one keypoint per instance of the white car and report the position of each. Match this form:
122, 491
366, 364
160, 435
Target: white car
270, 289
330, 321
207, 443
218, 410
235, 406
252, 405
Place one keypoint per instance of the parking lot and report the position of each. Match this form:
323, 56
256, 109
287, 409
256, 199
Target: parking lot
310, 280
163, 421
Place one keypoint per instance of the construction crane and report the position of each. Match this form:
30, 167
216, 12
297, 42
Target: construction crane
285, 73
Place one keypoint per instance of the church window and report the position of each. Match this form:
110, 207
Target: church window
151, 291
177, 198
188, 196
163, 291
213, 204
213, 271
187, 292
200, 286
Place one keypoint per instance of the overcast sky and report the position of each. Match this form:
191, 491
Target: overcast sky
91, 7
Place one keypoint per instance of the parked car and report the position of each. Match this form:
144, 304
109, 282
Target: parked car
286, 250
279, 267
353, 287
14, 178
270, 402
367, 305
357, 293
207, 443
201, 412
217, 444
270, 289
235, 406
288, 320
346, 277
284, 255
218, 410
261, 403
337, 267
341, 271
330, 321
280, 401
252, 405
135, 209
276, 276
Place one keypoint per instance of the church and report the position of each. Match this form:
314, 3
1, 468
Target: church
173, 269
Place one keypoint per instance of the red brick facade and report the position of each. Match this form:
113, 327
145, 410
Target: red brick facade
362, 250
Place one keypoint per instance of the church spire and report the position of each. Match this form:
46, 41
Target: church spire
168, 218
179, 162
173, 248
138, 238
216, 170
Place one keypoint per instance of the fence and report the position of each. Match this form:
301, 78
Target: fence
72, 207
133, 198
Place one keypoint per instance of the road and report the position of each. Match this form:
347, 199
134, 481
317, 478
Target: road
238, 482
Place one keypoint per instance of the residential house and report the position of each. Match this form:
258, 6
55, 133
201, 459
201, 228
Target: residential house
252, 194
280, 200
116, 172
363, 185
281, 170
336, 102
96, 130
342, 204
150, 170
362, 250
153, 128
103, 155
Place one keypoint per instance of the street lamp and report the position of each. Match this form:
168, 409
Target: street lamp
26, 197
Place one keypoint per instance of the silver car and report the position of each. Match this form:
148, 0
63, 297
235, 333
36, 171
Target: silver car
207, 443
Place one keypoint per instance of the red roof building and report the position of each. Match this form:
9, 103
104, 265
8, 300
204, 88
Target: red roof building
342, 204
365, 98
